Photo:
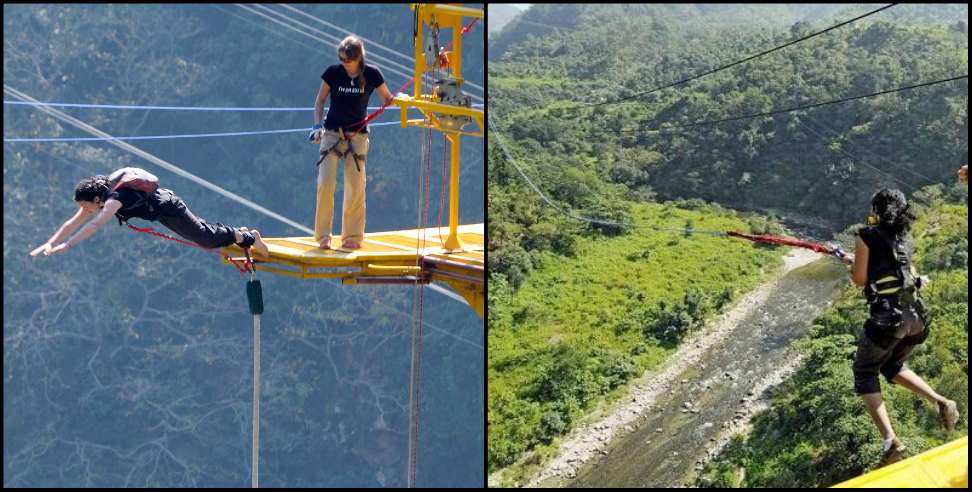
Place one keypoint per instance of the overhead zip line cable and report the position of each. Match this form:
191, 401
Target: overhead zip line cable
509, 157
739, 62
858, 160
847, 153
666, 129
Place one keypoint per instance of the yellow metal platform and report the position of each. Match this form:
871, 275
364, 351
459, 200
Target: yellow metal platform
453, 254
944, 466
396, 257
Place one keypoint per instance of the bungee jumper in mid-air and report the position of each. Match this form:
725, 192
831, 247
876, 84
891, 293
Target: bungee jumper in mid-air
134, 193
883, 265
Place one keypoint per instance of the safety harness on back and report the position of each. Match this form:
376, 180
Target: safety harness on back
136, 179
902, 283
147, 183
897, 287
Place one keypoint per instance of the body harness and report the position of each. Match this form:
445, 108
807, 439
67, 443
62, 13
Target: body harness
897, 287
332, 149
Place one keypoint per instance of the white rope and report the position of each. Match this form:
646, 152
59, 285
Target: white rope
255, 463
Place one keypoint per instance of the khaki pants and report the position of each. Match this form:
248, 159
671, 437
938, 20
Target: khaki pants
353, 215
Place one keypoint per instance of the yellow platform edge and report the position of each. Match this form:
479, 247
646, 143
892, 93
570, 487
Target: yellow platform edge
944, 466
389, 257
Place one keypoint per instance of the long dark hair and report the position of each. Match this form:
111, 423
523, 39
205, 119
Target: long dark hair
352, 48
894, 213
90, 188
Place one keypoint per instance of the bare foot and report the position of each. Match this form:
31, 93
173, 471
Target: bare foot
350, 244
258, 244
325, 242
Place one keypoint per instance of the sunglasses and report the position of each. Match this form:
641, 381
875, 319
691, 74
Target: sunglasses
346, 60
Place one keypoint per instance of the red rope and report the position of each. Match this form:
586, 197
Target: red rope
784, 240
243, 267
379, 111
467, 28
418, 310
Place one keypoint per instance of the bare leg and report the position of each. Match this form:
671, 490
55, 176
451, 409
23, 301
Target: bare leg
879, 414
947, 409
918, 386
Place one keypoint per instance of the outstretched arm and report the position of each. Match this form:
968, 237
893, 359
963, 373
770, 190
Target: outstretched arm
63, 232
111, 206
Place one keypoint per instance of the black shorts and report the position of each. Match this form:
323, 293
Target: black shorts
881, 352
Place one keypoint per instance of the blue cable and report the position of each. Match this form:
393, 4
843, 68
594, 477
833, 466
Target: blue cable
185, 108
180, 108
158, 137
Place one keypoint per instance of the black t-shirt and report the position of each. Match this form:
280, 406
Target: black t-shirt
137, 204
349, 103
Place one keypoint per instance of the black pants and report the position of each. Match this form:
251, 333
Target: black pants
174, 214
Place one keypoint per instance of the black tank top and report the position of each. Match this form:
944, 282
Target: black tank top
880, 258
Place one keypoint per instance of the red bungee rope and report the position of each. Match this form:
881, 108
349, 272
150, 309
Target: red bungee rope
785, 241
243, 267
